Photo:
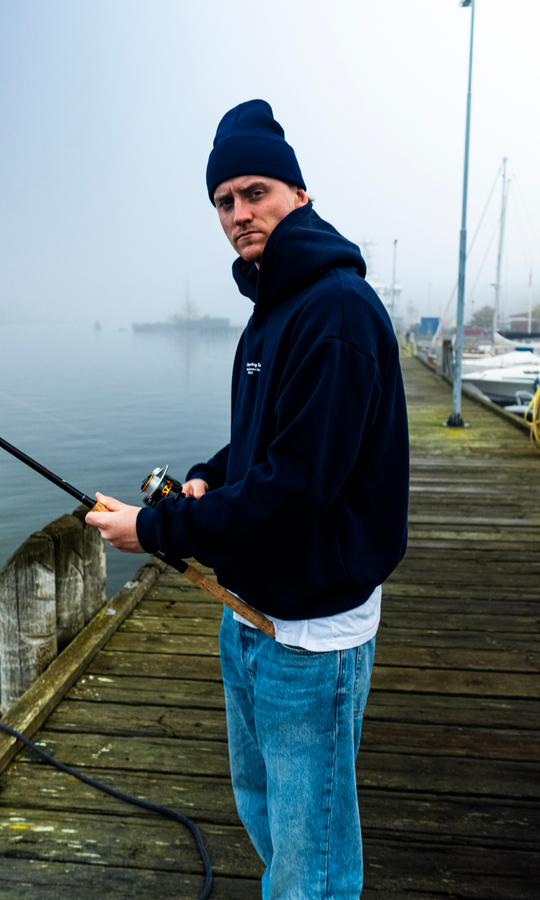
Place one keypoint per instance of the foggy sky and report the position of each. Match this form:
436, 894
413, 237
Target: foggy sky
109, 109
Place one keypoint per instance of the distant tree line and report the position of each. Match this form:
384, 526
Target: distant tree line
483, 318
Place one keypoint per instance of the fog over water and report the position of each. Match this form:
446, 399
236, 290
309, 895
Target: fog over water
109, 110
101, 410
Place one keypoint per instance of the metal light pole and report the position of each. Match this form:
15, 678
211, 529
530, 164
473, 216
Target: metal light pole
455, 420
394, 283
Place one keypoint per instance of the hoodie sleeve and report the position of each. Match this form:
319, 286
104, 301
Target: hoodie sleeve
324, 410
214, 472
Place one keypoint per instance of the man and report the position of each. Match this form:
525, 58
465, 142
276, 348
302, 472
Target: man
302, 515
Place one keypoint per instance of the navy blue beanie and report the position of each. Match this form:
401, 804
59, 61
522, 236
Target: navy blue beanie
249, 141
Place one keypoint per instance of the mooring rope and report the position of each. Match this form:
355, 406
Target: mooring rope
534, 409
162, 810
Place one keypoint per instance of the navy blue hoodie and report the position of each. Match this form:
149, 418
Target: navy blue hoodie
307, 507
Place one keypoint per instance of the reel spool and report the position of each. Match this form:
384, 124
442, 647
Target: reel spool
158, 485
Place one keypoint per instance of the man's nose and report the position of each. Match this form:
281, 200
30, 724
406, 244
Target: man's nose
242, 211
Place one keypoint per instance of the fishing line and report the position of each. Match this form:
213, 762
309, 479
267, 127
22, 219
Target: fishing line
162, 810
66, 424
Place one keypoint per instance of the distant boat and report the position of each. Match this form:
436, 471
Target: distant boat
181, 323
524, 356
502, 384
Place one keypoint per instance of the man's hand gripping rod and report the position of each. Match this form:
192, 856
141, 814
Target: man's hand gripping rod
155, 488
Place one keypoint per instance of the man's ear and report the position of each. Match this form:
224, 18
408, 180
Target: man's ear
301, 198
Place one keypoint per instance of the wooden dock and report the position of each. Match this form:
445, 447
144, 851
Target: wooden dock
448, 772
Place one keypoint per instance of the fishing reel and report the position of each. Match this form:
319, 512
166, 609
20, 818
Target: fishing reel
158, 485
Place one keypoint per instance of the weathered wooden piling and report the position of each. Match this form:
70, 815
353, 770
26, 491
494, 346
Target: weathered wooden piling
27, 616
50, 588
67, 535
94, 567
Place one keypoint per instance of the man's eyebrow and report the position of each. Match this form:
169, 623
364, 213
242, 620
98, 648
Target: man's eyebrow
251, 187
257, 185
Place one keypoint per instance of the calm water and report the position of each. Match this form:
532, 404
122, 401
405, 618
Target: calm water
102, 409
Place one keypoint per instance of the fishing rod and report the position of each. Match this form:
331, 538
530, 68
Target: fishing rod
156, 487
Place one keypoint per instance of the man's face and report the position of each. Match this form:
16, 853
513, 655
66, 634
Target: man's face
250, 207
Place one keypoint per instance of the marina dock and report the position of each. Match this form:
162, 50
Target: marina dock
448, 770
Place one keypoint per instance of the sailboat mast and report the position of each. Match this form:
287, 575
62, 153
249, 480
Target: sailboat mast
497, 285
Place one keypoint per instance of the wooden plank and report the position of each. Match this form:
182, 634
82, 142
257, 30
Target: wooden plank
448, 775
482, 623
430, 519
430, 816
464, 462
33, 708
430, 656
378, 733
177, 608
506, 561
186, 644
401, 588
376, 769
438, 740
504, 629
187, 757
398, 705
171, 625
525, 626
440, 681
159, 691
156, 665
425, 564
477, 538
457, 640
456, 544
177, 591
394, 605
453, 871
29, 785
446, 709
144, 842
46, 880
113, 718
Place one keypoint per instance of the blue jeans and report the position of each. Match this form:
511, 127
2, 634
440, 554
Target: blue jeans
294, 720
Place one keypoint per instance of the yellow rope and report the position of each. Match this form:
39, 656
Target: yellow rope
534, 409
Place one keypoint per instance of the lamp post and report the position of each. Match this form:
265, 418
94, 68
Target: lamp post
455, 420
394, 283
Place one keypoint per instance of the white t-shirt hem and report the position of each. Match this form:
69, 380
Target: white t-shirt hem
341, 631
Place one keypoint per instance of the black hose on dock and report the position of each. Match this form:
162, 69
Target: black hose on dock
162, 810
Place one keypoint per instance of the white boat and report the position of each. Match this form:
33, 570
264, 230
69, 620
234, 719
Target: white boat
501, 384
470, 366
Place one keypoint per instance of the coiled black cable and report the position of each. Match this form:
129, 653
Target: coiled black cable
163, 810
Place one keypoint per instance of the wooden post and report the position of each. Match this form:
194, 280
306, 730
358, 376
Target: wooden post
27, 616
95, 568
67, 535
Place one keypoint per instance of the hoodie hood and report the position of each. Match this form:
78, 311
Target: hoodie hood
301, 248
